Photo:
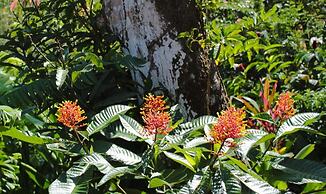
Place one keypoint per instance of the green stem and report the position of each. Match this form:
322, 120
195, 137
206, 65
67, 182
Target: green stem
215, 156
81, 142
261, 158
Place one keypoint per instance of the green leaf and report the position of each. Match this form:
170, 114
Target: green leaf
205, 182
258, 186
65, 185
157, 182
116, 130
106, 117
223, 182
296, 123
75, 180
8, 114
199, 183
179, 159
218, 185
264, 116
251, 139
304, 152
118, 171
302, 171
300, 119
14, 133
60, 76
133, 127
117, 153
196, 142
197, 124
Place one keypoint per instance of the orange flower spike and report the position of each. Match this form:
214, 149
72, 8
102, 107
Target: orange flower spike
230, 124
284, 107
154, 103
70, 114
157, 123
155, 116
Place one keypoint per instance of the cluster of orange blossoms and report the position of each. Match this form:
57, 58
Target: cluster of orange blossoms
230, 124
70, 114
284, 107
155, 115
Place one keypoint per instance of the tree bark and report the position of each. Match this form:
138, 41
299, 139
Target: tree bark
149, 29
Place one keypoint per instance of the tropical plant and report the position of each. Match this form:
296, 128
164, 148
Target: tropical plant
208, 154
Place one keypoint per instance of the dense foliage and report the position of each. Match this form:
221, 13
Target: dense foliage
70, 121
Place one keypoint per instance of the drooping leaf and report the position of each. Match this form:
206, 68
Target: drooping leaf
205, 182
199, 183
218, 185
106, 117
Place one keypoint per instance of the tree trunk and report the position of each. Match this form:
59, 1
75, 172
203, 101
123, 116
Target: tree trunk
149, 29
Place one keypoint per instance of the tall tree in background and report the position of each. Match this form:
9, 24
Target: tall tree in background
149, 30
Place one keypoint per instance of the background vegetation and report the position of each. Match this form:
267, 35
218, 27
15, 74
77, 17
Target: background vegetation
63, 50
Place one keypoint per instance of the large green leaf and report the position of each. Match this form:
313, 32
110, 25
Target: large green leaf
106, 117
254, 184
179, 159
65, 185
74, 181
224, 183
302, 171
196, 124
200, 179
196, 142
117, 153
116, 130
133, 127
205, 182
296, 123
15, 133
252, 137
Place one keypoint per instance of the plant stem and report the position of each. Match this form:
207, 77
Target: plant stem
215, 156
260, 159
80, 141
